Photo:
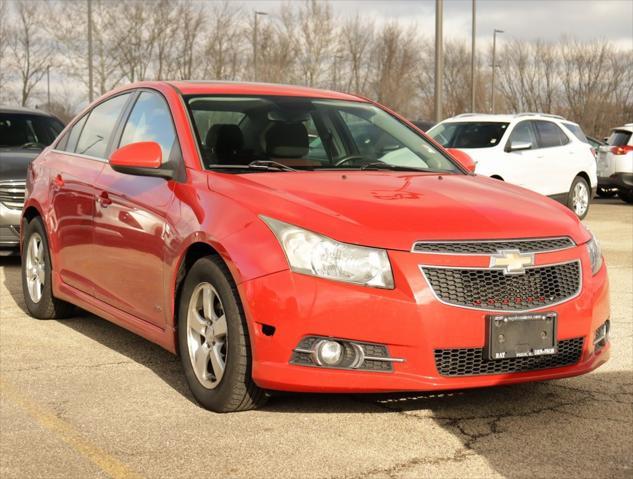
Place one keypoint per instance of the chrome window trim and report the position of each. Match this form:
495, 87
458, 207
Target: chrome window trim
517, 240
505, 311
79, 155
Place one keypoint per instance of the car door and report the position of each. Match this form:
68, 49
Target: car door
560, 165
74, 167
130, 219
524, 167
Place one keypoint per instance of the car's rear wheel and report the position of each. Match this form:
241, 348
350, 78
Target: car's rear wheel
213, 340
626, 195
579, 197
606, 192
36, 275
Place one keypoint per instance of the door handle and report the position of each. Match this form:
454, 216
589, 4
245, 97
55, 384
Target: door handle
104, 199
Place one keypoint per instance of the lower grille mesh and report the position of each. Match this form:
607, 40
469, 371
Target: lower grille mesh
471, 361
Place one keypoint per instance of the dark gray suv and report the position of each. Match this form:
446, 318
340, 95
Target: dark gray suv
24, 133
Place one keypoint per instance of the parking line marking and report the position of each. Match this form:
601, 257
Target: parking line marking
67, 433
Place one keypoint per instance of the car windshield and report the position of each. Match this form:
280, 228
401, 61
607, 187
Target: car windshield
294, 133
19, 130
471, 134
619, 138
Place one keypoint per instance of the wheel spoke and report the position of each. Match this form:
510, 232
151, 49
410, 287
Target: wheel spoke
197, 323
217, 362
208, 297
219, 327
200, 360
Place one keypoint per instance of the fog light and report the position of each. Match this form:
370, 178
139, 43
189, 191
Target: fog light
328, 353
601, 335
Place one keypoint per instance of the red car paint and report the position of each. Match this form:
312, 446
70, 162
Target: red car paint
119, 241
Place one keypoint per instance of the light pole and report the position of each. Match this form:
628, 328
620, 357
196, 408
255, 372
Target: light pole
90, 89
472, 58
494, 67
439, 59
255, 15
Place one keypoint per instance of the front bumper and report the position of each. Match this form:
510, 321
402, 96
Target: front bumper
9, 227
409, 320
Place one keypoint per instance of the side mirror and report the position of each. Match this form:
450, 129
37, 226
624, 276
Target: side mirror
464, 159
142, 159
518, 146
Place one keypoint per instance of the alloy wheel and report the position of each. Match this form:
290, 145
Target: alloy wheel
35, 267
207, 335
580, 199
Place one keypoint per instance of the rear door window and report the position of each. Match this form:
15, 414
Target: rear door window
550, 134
150, 120
70, 142
96, 133
524, 133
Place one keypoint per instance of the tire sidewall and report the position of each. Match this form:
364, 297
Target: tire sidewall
40, 308
570, 196
207, 270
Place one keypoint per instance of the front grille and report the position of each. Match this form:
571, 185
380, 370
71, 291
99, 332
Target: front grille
12, 194
471, 361
492, 290
491, 247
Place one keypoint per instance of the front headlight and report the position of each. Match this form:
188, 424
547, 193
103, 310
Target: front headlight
317, 255
595, 254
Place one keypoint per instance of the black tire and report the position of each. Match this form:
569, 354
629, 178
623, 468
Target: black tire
626, 196
606, 192
236, 390
579, 180
47, 307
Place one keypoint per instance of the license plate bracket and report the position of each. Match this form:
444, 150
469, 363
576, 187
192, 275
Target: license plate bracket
520, 335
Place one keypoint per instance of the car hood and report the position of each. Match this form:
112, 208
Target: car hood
393, 210
13, 163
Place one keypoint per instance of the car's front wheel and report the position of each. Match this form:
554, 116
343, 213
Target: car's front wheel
626, 195
37, 273
213, 340
579, 197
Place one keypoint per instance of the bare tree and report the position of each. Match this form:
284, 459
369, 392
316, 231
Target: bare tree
314, 40
225, 43
30, 49
4, 42
356, 42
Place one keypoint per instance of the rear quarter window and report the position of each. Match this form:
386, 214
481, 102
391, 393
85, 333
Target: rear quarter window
577, 131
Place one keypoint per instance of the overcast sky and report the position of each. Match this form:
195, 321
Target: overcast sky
521, 19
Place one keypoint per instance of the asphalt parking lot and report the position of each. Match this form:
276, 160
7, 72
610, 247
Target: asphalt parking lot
85, 398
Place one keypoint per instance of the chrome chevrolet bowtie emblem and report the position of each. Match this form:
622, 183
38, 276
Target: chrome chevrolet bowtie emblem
512, 261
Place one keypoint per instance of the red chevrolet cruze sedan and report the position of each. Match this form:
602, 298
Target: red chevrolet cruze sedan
285, 238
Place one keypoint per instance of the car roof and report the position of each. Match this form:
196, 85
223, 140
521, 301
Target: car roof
207, 87
23, 110
505, 118
628, 127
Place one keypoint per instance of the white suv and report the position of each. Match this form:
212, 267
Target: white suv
544, 153
615, 163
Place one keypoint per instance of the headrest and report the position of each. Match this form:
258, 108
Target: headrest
287, 140
225, 140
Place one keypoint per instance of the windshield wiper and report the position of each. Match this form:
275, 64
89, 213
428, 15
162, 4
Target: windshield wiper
32, 144
380, 165
270, 164
261, 165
